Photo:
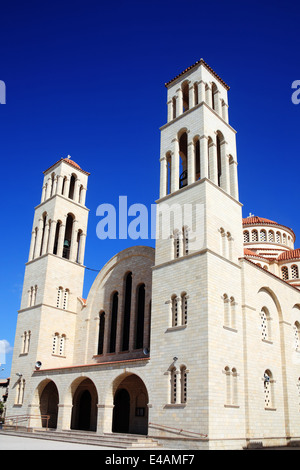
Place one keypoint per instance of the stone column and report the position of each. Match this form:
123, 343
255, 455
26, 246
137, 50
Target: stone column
60, 180
170, 114
46, 238
49, 186
203, 157
74, 243
32, 244
191, 163
43, 194
225, 180
61, 239
82, 196
179, 107
175, 167
201, 91
67, 187
234, 180
208, 97
163, 177
81, 248
38, 239
64, 417
191, 96
76, 190
213, 167
104, 418
51, 236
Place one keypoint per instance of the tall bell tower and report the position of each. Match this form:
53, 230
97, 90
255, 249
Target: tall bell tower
53, 280
198, 245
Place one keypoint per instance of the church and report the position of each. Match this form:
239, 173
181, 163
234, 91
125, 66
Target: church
195, 343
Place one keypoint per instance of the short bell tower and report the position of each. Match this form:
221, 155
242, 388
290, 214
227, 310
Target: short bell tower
53, 280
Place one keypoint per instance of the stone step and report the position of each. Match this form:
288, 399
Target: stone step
120, 441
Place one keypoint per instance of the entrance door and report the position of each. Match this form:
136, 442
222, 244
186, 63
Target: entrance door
84, 416
121, 411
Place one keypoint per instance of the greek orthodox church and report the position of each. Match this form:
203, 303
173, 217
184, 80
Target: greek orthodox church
194, 345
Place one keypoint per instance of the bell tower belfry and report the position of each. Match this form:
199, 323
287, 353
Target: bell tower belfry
54, 276
197, 275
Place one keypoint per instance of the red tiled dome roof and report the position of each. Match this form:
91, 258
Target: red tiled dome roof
287, 255
255, 220
258, 220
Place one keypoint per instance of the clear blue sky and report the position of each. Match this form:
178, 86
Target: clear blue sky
86, 78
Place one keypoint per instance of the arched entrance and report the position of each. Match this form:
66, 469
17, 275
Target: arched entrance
84, 412
121, 411
130, 414
49, 404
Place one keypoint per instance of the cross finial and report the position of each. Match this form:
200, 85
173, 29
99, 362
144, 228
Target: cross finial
69, 156
250, 215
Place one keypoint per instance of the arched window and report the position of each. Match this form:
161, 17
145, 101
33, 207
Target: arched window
278, 237
62, 343
169, 174
295, 271
101, 332
59, 297
265, 324
263, 236
55, 343
246, 236
214, 97
183, 383
268, 389
72, 186
173, 385
79, 240
55, 246
219, 160
174, 307
20, 391
127, 309
271, 236
174, 107
113, 322
176, 239
139, 341
284, 240
185, 238
184, 308
284, 273
196, 94
254, 235
197, 158
185, 96
183, 160
231, 386
68, 236
296, 329
65, 299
